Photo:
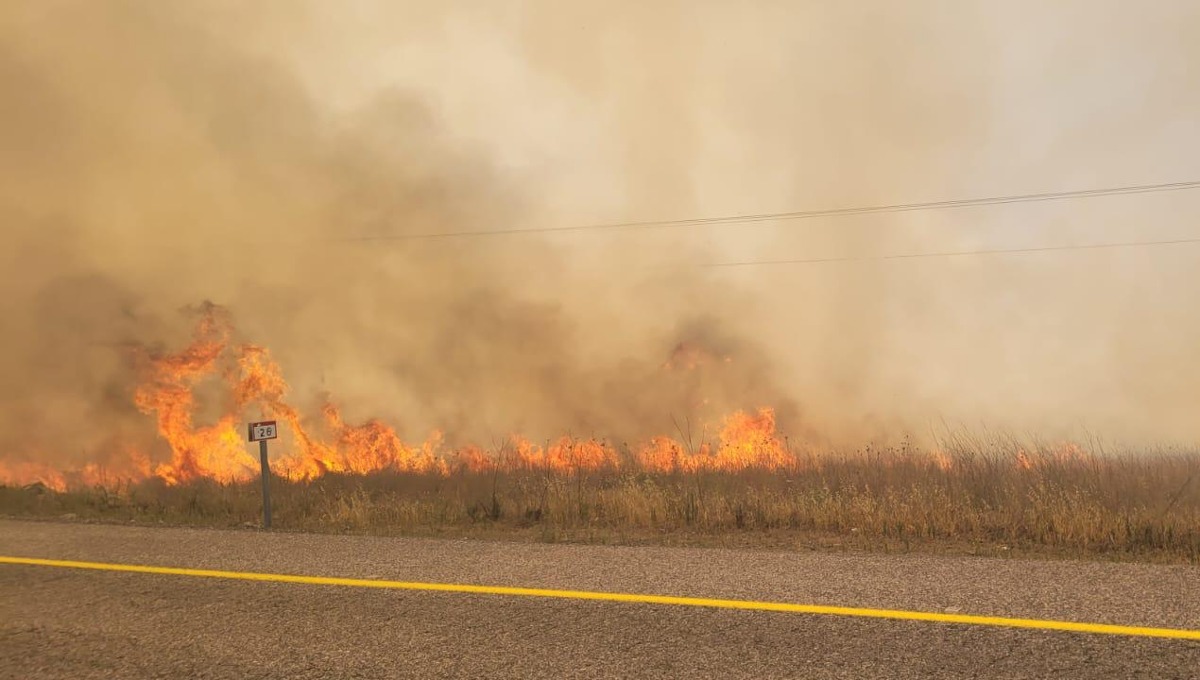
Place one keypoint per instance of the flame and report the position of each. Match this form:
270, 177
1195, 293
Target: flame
1024, 461
241, 382
168, 392
750, 441
136, 466
1063, 454
29, 472
663, 454
472, 458
372, 447
746, 442
567, 454
941, 460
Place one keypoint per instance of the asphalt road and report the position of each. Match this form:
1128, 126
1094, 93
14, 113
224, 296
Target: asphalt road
58, 623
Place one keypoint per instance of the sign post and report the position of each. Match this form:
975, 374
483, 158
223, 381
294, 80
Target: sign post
262, 433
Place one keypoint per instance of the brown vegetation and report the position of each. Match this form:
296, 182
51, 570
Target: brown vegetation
991, 497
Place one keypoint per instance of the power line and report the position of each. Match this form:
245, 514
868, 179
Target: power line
959, 253
799, 214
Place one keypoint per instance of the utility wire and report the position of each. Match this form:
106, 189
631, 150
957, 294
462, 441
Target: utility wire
959, 253
799, 214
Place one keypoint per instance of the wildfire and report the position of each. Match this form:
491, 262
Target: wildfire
167, 391
942, 460
565, 455
236, 382
27, 472
745, 442
372, 447
1067, 454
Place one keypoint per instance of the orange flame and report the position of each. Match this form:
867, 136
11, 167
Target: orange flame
1067, 453
211, 374
29, 472
567, 454
746, 442
167, 391
942, 460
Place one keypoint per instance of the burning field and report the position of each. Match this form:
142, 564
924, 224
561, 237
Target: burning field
432, 237
739, 481
241, 381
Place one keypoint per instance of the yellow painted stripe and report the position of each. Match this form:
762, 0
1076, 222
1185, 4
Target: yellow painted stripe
893, 614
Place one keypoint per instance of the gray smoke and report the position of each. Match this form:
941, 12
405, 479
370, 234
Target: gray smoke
155, 155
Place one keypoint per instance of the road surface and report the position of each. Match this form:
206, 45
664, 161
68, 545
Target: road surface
60, 622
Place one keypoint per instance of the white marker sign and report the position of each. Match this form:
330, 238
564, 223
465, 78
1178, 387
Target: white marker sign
263, 431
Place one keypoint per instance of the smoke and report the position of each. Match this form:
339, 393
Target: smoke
154, 165
153, 156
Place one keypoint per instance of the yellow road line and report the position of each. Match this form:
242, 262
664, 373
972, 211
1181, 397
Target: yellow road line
893, 614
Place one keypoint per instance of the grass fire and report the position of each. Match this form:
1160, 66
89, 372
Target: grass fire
740, 479
676, 275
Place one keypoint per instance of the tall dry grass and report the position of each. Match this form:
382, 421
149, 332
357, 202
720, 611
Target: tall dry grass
996, 494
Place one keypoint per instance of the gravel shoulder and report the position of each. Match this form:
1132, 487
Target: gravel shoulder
58, 622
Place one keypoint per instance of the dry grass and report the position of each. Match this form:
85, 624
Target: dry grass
983, 498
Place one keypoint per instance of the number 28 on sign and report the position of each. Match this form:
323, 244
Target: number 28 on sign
263, 431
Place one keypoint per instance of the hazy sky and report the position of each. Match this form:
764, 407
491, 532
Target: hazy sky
623, 111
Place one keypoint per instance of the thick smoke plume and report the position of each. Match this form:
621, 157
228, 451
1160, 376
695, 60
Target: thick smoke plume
154, 156
150, 165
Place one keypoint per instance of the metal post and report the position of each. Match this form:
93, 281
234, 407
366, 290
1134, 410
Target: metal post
266, 479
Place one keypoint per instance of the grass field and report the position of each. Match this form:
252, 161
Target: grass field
990, 499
